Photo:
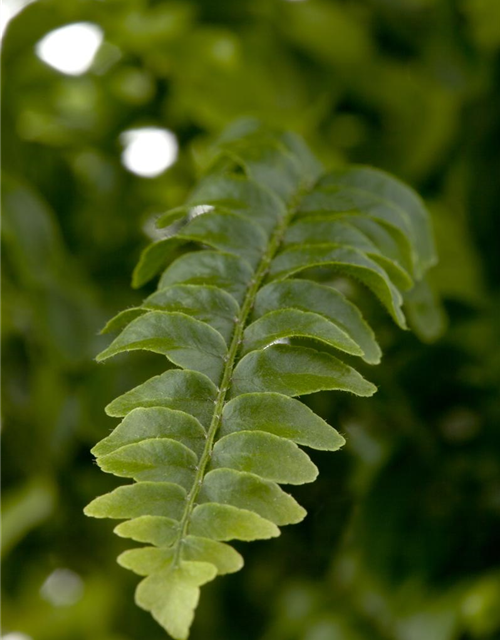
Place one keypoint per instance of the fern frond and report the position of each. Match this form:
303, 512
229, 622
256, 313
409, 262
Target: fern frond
207, 445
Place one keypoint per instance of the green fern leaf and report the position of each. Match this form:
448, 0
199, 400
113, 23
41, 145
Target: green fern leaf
240, 311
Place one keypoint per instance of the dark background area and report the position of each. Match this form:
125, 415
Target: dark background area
402, 537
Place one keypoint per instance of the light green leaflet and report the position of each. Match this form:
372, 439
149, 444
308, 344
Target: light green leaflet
206, 446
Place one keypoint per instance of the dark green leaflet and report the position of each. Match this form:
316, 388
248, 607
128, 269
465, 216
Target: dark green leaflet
286, 323
225, 230
382, 192
187, 342
294, 371
344, 260
311, 296
327, 230
223, 270
204, 302
208, 445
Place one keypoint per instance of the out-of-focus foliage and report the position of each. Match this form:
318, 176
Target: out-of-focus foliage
402, 538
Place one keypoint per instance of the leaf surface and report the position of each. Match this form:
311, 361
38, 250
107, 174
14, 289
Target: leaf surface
209, 304
187, 342
265, 455
282, 416
155, 422
185, 391
171, 595
295, 371
227, 522
157, 530
214, 268
247, 491
346, 261
290, 323
140, 499
328, 302
157, 460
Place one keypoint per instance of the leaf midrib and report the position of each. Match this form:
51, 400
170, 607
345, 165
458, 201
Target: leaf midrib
255, 284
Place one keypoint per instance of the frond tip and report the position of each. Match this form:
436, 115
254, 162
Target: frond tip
241, 314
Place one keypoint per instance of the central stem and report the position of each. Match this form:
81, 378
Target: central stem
236, 340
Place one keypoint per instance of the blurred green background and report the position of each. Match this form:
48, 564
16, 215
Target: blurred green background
402, 541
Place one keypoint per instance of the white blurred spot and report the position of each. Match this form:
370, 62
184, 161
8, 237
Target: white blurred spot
62, 588
149, 151
9, 10
199, 210
16, 635
70, 49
